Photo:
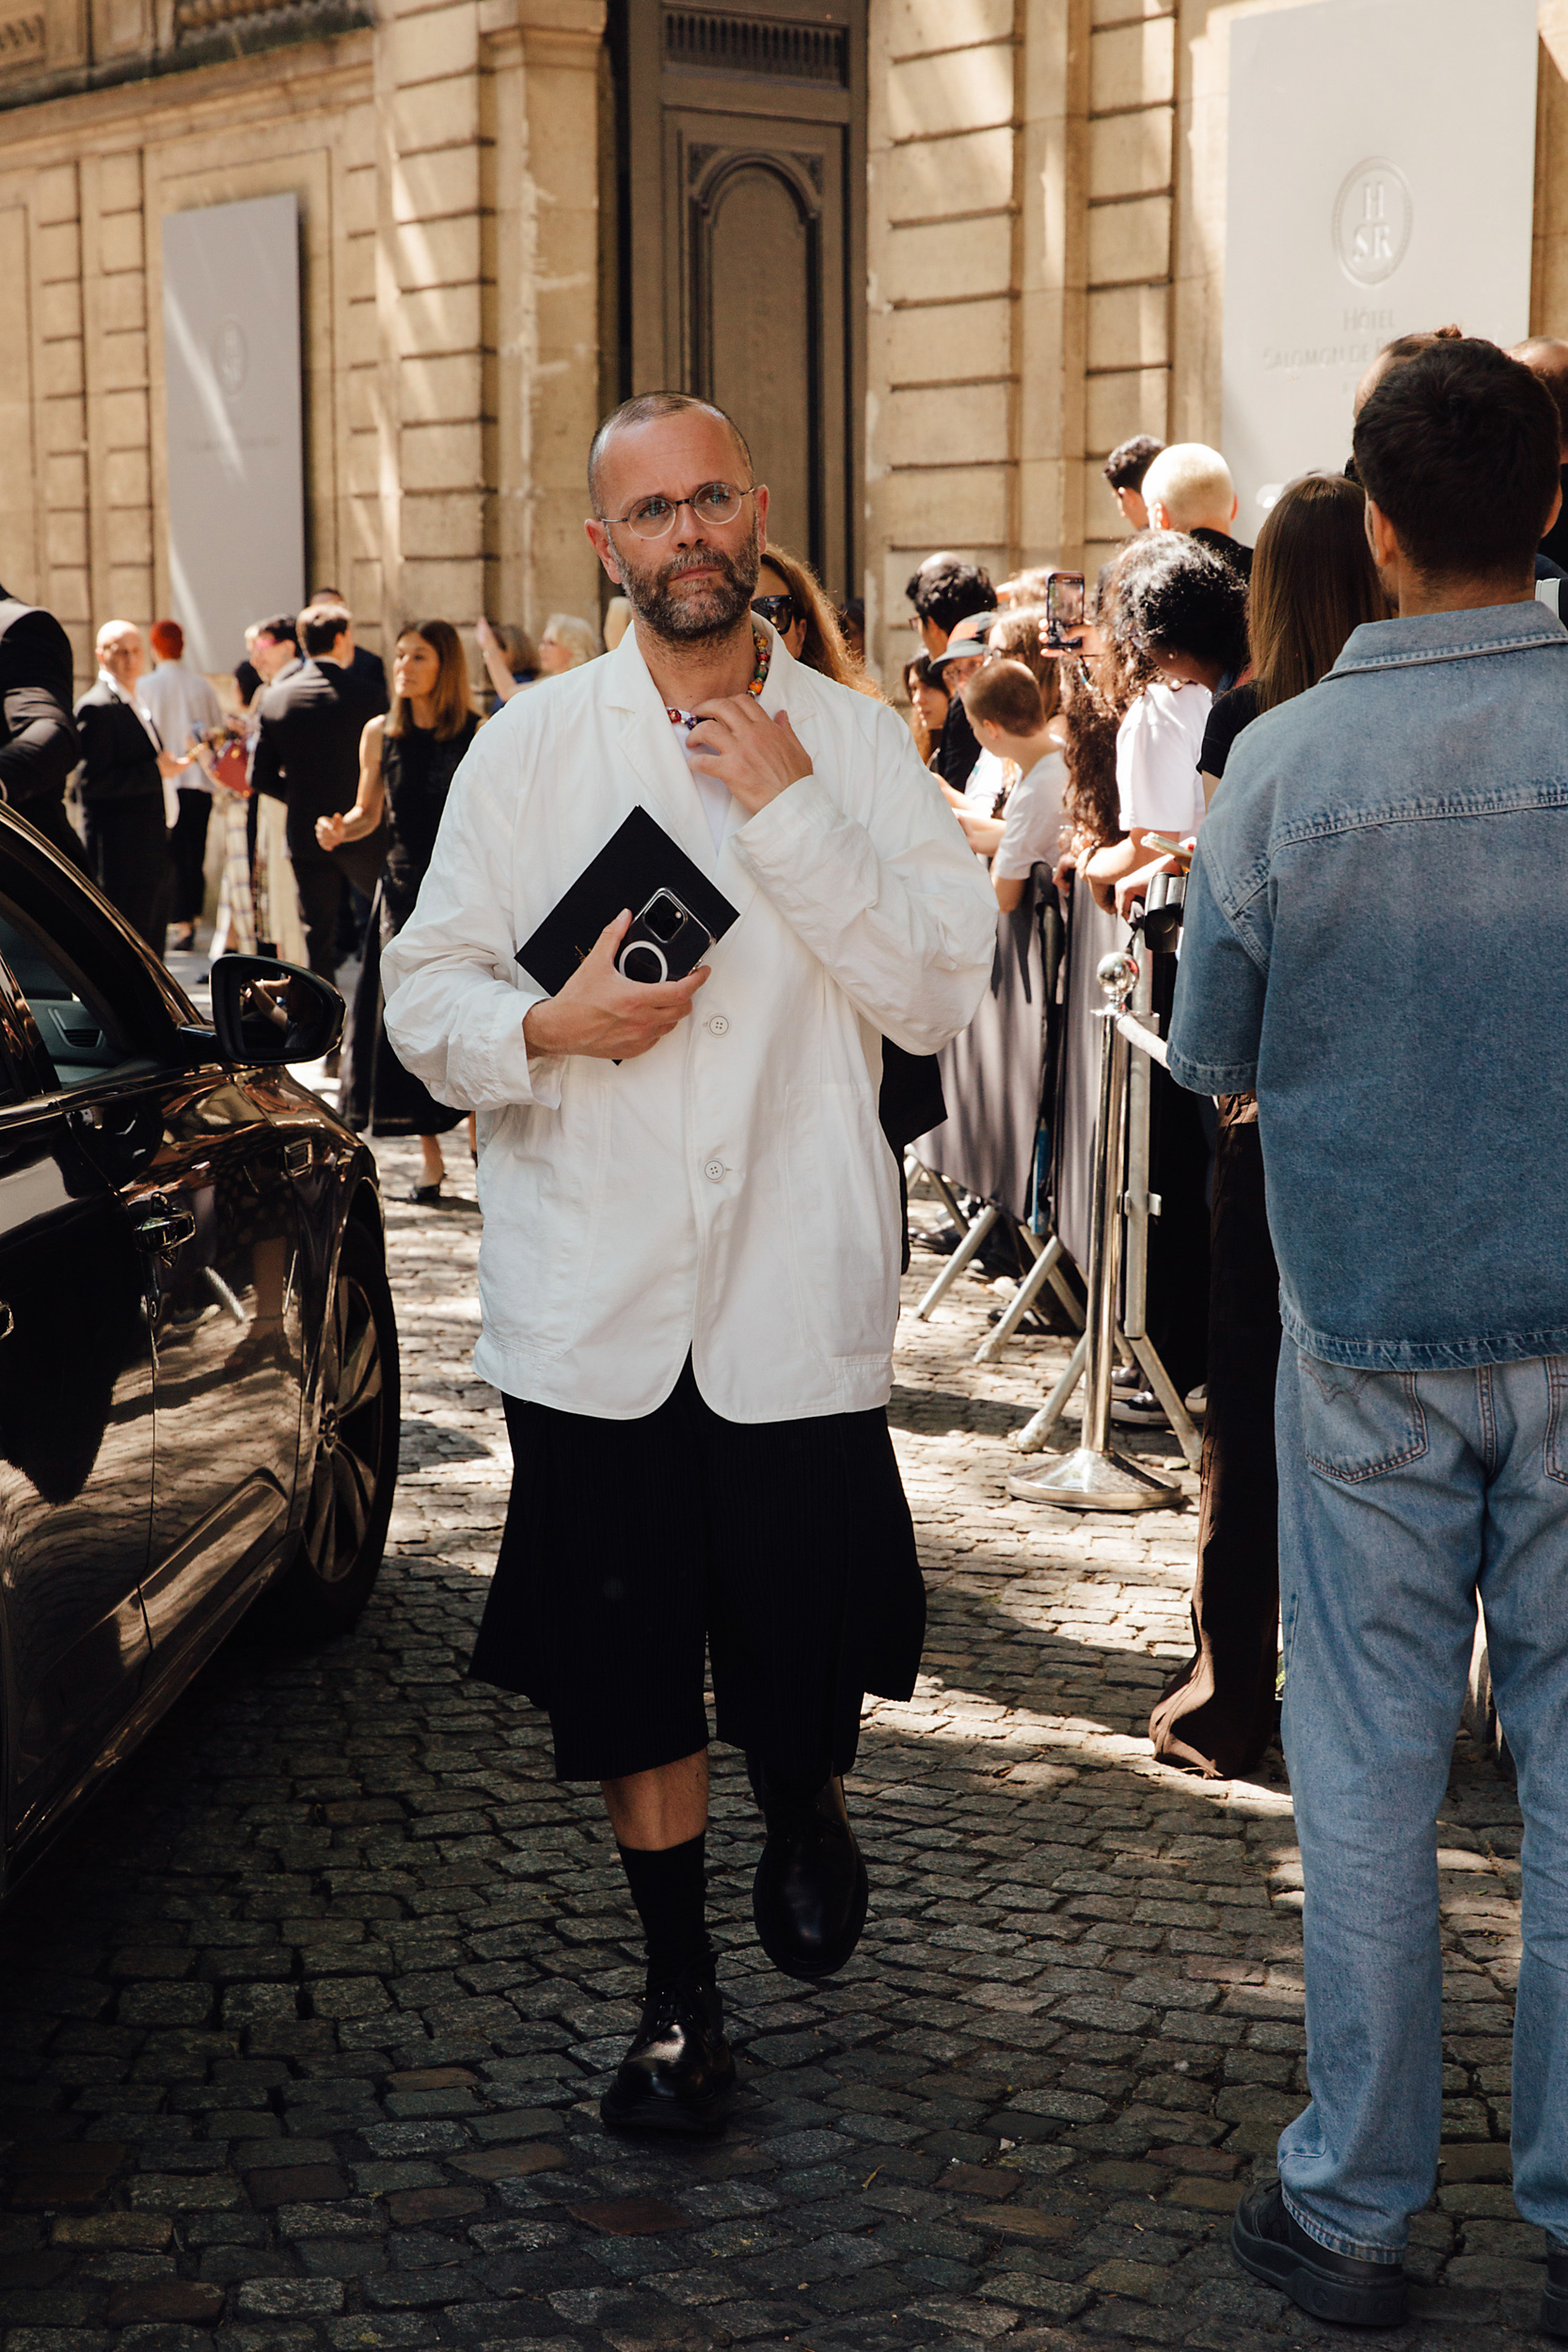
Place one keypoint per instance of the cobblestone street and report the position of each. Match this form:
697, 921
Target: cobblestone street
305, 2025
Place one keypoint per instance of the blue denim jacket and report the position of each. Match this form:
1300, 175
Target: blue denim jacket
1376, 939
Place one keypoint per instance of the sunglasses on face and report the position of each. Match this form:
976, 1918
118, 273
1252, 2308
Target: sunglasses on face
781, 611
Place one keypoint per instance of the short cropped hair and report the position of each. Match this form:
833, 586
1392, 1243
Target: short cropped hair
947, 593
644, 410
282, 627
1128, 462
1008, 695
1460, 448
1185, 598
169, 640
320, 625
1193, 483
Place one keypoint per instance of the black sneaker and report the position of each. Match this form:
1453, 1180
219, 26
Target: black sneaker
1267, 2241
678, 2075
1554, 2303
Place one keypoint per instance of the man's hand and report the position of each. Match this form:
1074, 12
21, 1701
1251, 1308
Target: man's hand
599, 1014
757, 757
329, 831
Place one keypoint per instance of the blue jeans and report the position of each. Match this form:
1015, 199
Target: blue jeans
1402, 1496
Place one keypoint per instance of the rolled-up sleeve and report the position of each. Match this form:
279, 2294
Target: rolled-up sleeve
455, 995
897, 908
1217, 1016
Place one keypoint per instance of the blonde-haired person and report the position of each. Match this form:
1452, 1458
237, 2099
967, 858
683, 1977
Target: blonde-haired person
509, 656
1188, 489
567, 643
407, 761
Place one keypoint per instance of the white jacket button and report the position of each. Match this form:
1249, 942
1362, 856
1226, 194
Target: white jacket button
717, 1026
714, 1168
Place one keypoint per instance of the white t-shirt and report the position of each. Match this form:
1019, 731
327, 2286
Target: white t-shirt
982, 786
1032, 821
1157, 751
182, 700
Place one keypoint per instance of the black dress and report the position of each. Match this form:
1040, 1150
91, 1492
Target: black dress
416, 776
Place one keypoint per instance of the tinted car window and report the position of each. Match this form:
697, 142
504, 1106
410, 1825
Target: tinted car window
79, 1012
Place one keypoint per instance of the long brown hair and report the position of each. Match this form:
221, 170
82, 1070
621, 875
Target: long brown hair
450, 694
824, 649
1313, 580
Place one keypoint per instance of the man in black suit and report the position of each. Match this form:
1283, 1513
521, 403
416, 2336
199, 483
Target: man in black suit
366, 667
307, 757
123, 786
38, 744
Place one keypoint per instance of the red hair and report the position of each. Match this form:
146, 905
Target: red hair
169, 640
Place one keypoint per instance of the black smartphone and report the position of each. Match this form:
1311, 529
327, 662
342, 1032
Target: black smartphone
1064, 608
664, 942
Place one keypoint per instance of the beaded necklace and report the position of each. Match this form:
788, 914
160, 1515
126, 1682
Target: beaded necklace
763, 648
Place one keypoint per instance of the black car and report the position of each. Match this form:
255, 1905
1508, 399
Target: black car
199, 1364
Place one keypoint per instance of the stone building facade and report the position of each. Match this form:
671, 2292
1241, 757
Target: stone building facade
1031, 233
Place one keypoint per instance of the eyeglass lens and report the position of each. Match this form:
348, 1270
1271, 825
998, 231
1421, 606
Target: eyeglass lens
715, 502
780, 611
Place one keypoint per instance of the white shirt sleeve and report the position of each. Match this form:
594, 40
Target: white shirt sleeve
1157, 751
1032, 821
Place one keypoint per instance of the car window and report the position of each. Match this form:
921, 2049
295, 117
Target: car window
80, 1013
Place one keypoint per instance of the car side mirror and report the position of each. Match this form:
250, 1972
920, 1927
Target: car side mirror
267, 1011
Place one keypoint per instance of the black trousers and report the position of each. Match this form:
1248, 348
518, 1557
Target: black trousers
322, 888
1219, 1711
187, 849
783, 1549
128, 858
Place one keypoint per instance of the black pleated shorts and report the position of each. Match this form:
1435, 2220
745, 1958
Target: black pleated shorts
781, 1551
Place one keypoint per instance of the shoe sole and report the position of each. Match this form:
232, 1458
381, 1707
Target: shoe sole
702, 2121
1314, 2290
790, 1964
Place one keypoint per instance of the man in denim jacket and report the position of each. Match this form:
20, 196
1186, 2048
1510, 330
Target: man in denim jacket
1377, 941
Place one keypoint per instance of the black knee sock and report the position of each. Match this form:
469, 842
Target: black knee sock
669, 1889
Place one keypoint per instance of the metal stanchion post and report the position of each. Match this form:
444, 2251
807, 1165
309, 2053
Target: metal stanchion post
1092, 1478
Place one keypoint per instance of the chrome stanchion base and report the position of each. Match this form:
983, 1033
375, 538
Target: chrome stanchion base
1086, 1481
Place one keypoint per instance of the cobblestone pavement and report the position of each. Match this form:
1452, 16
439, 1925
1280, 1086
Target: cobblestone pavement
305, 2023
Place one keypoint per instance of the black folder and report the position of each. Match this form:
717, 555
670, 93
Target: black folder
639, 859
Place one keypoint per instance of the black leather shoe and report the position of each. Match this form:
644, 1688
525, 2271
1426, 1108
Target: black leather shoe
810, 1894
678, 2075
1554, 2303
1268, 2242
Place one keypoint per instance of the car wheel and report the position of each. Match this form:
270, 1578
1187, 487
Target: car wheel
352, 1475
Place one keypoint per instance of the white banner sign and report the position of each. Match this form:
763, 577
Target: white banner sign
236, 474
1381, 181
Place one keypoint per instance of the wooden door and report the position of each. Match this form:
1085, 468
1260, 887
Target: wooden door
740, 246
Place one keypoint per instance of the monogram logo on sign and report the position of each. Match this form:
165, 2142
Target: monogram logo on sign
1372, 217
231, 356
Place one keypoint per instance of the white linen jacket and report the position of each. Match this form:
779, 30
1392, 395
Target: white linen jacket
729, 1192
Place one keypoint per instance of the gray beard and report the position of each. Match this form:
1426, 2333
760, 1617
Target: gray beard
705, 619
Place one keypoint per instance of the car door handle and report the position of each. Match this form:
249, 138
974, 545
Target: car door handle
298, 1155
163, 1228
8, 1321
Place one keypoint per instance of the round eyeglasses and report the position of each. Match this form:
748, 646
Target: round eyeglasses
653, 517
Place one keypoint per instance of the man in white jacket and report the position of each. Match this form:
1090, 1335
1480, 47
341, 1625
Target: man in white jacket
689, 1270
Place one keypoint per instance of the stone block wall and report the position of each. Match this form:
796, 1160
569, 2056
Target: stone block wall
445, 167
